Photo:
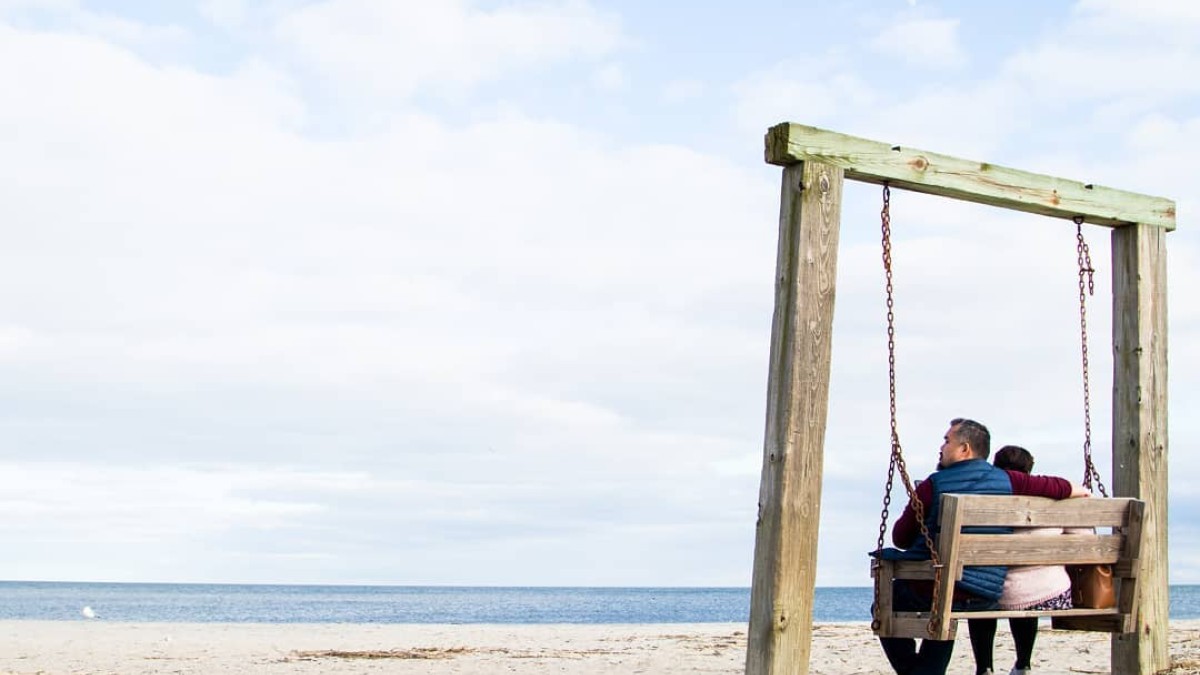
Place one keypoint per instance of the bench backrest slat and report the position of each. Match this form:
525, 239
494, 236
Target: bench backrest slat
1041, 512
1020, 549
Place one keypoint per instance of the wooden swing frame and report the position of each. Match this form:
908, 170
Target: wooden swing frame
815, 164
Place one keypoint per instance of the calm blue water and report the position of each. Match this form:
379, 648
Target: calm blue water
424, 604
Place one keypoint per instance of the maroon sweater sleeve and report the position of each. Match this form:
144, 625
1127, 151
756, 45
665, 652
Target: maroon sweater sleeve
907, 529
1039, 486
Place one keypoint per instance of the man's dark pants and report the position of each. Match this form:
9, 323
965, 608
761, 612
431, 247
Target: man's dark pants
934, 655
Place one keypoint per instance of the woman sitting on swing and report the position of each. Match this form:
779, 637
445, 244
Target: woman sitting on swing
1028, 587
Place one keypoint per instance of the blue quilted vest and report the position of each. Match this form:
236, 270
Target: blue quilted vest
973, 476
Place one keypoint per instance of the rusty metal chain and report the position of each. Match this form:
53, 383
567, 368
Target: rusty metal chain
897, 454
1086, 288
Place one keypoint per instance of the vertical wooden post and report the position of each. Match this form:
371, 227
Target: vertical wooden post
1140, 430
789, 508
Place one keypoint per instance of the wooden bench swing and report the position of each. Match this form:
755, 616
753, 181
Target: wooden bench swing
957, 547
985, 529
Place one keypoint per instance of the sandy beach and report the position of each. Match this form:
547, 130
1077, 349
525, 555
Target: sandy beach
100, 647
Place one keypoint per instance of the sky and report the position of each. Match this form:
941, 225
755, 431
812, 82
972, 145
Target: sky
479, 292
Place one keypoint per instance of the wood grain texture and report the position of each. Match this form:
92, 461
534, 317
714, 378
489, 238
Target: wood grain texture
949, 548
1019, 511
785, 553
980, 182
915, 623
1139, 432
885, 569
1016, 549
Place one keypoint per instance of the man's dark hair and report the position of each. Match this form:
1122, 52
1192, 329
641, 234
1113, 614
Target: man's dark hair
973, 434
1014, 457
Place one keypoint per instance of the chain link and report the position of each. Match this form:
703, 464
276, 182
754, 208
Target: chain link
897, 455
1086, 288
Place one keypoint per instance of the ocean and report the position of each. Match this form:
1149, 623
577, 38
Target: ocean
237, 603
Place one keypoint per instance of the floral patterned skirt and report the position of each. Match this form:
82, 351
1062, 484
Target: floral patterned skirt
1060, 601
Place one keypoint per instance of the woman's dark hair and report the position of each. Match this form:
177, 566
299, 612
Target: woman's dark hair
1015, 458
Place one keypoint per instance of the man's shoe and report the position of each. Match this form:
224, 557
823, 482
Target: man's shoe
1020, 671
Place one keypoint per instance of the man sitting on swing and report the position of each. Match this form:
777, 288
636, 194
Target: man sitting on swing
962, 469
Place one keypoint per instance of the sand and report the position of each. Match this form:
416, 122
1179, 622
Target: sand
101, 647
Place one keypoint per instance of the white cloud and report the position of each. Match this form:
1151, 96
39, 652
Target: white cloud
1103, 53
610, 77
70, 15
128, 32
927, 43
15, 6
818, 91
1105, 70
489, 329
683, 91
230, 13
395, 49
132, 506
231, 288
1166, 18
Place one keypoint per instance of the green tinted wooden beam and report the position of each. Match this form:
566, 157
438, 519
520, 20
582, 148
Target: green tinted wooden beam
920, 171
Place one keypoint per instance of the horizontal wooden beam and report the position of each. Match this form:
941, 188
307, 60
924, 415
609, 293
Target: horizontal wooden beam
915, 624
1030, 613
920, 171
1017, 511
1021, 549
914, 569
